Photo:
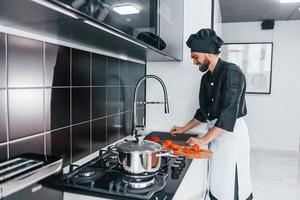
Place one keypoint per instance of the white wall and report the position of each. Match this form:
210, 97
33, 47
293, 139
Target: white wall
217, 18
273, 119
181, 78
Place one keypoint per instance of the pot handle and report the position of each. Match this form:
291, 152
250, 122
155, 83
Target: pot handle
167, 154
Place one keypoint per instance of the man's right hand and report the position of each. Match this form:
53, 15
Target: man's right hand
176, 130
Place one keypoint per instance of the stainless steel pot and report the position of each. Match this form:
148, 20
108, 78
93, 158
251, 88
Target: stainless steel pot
141, 157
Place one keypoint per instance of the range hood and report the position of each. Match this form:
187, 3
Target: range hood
30, 16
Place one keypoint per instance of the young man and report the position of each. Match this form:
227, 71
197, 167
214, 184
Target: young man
222, 107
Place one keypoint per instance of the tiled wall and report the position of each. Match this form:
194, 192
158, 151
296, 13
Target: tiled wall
63, 101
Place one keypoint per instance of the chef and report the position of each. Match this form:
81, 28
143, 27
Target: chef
222, 107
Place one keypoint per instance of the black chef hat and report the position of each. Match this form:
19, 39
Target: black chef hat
205, 41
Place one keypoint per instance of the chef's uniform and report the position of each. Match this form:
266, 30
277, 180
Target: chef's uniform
222, 104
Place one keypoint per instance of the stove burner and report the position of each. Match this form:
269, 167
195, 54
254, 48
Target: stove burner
87, 175
121, 187
138, 183
86, 172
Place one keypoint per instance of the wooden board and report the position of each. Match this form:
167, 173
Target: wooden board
201, 155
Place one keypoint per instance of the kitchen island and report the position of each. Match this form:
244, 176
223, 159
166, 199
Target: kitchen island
191, 184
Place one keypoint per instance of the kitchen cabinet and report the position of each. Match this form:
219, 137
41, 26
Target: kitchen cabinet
157, 24
171, 27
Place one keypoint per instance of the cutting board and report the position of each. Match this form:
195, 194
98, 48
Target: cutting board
201, 155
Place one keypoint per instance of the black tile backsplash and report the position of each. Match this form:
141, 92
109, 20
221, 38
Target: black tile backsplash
81, 67
57, 65
113, 127
3, 152
26, 112
80, 105
28, 145
80, 141
114, 105
58, 143
3, 118
25, 62
99, 102
98, 134
113, 72
62, 101
99, 70
2, 61
57, 108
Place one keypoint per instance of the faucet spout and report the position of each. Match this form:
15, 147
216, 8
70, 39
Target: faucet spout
166, 102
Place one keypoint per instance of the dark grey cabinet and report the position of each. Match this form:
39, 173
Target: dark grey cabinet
156, 23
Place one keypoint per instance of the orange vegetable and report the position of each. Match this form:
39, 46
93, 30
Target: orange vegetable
175, 147
196, 148
187, 149
154, 139
168, 143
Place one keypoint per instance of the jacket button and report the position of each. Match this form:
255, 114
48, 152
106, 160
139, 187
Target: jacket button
212, 84
212, 99
207, 114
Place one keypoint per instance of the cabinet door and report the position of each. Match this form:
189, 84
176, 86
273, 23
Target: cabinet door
171, 27
131, 17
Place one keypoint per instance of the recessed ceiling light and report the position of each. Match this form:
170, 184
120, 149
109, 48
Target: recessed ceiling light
289, 1
126, 10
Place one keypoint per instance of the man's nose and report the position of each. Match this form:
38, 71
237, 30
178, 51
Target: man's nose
195, 61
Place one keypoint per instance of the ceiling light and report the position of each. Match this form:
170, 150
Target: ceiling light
126, 10
55, 7
289, 1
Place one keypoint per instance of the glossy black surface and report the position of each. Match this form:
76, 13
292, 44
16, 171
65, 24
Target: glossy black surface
3, 152
80, 141
126, 122
102, 11
80, 105
31, 145
98, 134
113, 126
99, 63
25, 62
128, 73
113, 100
58, 144
126, 95
57, 108
57, 65
99, 102
65, 28
2, 61
80, 68
26, 112
113, 71
107, 174
3, 116
47, 108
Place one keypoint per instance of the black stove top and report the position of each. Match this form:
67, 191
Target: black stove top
103, 177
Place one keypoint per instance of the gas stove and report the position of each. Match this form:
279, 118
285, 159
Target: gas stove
104, 177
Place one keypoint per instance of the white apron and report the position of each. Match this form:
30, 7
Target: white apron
229, 167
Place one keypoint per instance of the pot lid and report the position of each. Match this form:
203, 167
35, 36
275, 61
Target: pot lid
141, 146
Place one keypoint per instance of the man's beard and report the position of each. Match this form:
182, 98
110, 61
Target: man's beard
204, 67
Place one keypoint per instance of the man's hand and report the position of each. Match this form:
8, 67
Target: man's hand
176, 130
195, 140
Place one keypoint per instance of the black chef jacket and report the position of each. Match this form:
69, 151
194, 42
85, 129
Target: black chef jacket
222, 95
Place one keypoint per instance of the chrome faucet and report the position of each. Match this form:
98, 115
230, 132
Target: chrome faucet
135, 127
